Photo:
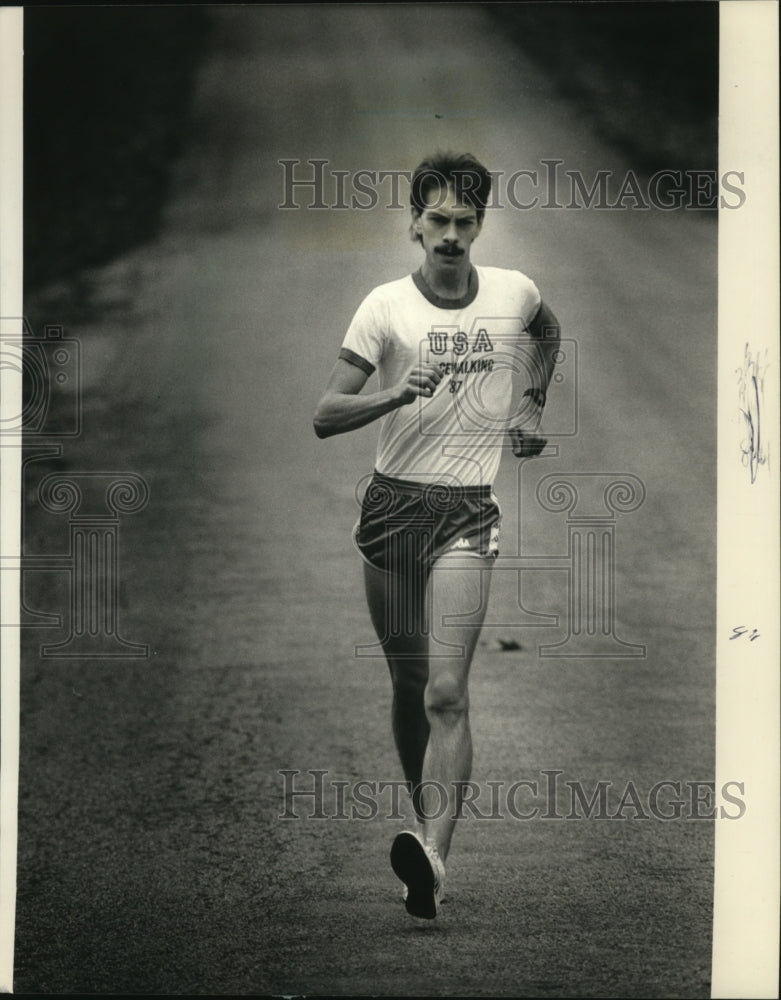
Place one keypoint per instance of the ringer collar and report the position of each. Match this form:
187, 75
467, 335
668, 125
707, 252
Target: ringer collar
437, 300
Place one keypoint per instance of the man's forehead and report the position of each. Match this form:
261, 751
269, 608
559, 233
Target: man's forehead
440, 199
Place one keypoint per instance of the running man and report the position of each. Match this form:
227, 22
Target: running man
446, 343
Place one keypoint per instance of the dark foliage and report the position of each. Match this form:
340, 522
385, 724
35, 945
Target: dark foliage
106, 96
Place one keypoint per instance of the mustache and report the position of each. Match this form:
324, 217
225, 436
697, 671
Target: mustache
450, 251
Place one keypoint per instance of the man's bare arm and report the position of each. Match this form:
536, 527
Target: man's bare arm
528, 440
545, 330
343, 409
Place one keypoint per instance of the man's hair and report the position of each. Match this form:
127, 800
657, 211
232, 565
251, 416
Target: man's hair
470, 180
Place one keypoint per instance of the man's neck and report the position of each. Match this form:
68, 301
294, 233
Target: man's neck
447, 283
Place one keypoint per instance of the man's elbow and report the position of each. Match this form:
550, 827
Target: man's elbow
321, 425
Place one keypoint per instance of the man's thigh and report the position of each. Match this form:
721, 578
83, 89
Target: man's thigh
458, 589
398, 608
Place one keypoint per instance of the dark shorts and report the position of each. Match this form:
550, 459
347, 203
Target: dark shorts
405, 526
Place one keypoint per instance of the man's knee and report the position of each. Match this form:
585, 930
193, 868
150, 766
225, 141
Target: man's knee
446, 693
409, 690
409, 676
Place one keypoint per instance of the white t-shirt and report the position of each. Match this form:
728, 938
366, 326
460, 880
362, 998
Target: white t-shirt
482, 346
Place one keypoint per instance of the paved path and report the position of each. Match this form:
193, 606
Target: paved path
152, 855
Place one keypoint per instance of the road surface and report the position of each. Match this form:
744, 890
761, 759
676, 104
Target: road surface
152, 855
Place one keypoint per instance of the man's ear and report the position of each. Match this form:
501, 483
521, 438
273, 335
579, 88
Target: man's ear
415, 226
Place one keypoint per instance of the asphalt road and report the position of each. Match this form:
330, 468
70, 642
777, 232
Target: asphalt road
152, 856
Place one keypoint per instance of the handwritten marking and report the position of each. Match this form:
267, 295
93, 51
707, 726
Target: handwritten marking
740, 630
751, 387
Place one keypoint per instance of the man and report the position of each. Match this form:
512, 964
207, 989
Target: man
447, 342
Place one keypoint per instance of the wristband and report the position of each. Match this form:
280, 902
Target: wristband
538, 396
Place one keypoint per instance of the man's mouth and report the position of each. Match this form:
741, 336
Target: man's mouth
450, 251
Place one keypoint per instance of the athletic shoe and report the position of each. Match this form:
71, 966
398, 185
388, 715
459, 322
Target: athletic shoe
418, 831
442, 897
420, 868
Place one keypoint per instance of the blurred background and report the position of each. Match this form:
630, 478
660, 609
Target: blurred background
151, 855
108, 94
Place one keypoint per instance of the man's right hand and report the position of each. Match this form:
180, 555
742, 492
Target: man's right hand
421, 380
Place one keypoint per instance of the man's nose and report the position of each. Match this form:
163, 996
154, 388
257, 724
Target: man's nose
451, 233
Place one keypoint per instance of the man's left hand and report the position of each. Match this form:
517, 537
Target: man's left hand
526, 444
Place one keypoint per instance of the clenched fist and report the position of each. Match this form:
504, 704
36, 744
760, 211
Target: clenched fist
422, 380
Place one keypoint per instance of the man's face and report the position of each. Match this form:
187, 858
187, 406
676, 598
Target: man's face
447, 228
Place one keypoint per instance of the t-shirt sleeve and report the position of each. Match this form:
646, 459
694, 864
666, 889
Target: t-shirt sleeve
531, 300
364, 341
